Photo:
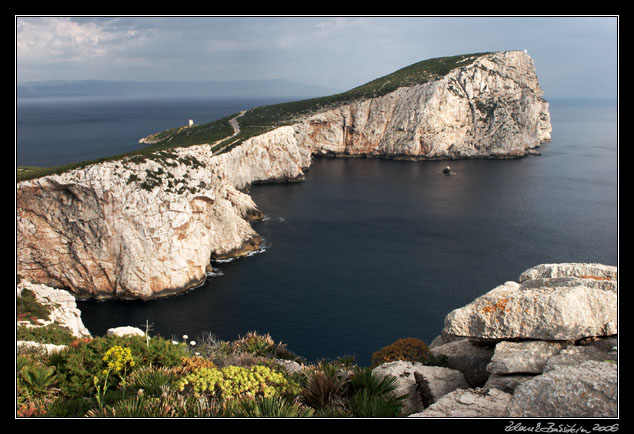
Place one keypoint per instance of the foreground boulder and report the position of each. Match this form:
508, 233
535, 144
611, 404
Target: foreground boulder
469, 403
527, 357
546, 344
588, 389
559, 302
423, 384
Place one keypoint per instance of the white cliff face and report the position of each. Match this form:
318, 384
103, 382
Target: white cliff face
146, 228
493, 107
141, 230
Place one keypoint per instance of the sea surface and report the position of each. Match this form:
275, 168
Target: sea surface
62, 130
365, 251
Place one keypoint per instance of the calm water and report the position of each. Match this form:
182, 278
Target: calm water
56, 131
365, 252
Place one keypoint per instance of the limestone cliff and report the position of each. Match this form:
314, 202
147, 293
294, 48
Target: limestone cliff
145, 227
491, 108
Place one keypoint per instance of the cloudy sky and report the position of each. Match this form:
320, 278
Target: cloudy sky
574, 56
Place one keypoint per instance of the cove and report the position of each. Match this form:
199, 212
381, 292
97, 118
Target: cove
365, 252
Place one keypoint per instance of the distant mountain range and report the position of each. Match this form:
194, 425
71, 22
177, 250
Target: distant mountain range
242, 88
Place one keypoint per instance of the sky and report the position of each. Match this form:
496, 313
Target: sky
575, 56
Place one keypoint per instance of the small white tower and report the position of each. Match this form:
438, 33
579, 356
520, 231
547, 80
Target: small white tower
191, 122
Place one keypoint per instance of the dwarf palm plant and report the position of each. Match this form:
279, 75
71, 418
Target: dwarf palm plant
152, 381
372, 395
323, 389
39, 380
365, 404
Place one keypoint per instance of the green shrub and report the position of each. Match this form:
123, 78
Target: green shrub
50, 334
374, 395
364, 404
333, 411
37, 380
252, 343
153, 381
137, 407
249, 350
27, 307
366, 379
73, 407
77, 365
409, 349
170, 404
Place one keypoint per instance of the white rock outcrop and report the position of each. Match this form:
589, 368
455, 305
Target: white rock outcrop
142, 228
555, 337
543, 308
125, 331
62, 307
39, 347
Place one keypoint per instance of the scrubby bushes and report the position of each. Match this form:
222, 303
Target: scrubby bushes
51, 334
29, 309
351, 392
78, 366
408, 349
130, 376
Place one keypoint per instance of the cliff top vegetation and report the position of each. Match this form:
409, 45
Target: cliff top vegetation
264, 118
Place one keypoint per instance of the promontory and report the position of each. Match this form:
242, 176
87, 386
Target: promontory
146, 225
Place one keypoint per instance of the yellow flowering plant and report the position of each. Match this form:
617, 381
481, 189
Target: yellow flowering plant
117, 359
238, 382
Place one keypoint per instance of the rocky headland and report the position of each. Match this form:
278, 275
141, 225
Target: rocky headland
563, 364
147, 226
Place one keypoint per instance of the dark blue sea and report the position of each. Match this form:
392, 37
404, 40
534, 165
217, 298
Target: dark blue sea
57, 131
364, 252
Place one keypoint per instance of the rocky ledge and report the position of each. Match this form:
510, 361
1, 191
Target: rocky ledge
544, 347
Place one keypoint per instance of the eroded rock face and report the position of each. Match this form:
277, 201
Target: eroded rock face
144, 229
147, 228
493, 107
